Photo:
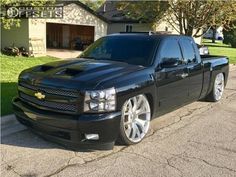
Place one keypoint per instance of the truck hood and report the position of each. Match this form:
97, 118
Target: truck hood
82, 74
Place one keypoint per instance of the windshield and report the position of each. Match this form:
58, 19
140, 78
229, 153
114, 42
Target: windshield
136, 50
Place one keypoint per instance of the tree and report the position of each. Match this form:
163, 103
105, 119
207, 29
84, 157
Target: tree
144, 11
230, 35
185, 16
7, 23
188, 17
93, 4
224, 14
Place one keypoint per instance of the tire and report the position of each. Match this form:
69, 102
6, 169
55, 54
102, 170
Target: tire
218, 88
135, 120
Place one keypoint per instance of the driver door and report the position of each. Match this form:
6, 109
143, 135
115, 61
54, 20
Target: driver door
171, 77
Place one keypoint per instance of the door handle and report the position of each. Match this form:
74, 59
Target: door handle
183, 75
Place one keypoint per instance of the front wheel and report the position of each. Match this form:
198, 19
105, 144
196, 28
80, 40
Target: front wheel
135, 120
218, 88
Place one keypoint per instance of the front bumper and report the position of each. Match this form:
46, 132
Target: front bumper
70, 130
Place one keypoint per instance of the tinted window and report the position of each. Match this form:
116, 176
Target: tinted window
137, 50
170, 51
188, 51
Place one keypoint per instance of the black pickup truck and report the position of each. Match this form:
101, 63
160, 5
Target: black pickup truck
115, 87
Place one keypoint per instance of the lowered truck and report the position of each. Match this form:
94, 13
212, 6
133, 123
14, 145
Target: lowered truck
115, 88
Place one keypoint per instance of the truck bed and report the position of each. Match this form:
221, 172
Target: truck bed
211, 57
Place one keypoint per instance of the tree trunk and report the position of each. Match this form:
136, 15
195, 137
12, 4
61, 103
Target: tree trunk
189, 31
213, 34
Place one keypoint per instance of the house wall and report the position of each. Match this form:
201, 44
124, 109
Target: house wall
198, 40
32, 32
121, 27
37, 36
163, 26
17, 36
74, 14
36, 28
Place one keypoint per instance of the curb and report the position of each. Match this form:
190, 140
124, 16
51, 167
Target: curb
10, 125
232, 67
8, 119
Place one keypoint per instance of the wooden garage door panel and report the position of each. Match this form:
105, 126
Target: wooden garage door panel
85, 33
55, 34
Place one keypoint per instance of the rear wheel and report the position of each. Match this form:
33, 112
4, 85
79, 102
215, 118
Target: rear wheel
135, 120
218, 88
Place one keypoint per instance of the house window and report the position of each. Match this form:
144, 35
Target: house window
128, 28
166, 28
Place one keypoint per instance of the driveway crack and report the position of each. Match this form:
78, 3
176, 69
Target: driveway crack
11, 168
68, 165
172, 166
140, 155
210, 164
214, 146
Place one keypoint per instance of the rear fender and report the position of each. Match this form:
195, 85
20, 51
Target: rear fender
214, 70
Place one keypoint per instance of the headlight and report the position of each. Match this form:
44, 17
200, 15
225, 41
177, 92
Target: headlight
100, 100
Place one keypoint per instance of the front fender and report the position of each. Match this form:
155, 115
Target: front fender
144, 84
132, 84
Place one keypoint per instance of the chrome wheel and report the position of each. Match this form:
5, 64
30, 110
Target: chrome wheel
136, 117
219, 86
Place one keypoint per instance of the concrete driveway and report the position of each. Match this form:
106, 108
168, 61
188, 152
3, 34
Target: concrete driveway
196, 140
63, 53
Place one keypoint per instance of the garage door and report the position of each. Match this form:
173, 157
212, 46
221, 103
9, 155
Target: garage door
69, 36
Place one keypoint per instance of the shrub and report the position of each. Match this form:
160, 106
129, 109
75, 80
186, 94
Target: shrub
230, 35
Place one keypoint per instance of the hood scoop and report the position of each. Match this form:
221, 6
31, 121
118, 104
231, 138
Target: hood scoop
43, 68
69, 72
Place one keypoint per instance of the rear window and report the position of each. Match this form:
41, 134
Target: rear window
136, 50
188, 51
170, 50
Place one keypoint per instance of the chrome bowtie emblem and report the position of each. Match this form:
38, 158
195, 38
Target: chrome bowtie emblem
39, 95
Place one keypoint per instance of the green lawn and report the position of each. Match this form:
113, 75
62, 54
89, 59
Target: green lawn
10, 69
219, 48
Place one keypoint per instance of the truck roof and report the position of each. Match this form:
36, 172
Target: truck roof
159, 35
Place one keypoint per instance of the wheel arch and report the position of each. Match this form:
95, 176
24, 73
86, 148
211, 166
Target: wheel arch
225, 78
151, 103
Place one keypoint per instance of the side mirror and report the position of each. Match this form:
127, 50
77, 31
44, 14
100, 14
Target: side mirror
170, 62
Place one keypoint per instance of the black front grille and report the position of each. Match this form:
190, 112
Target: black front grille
65, 100
48, 104
51, 91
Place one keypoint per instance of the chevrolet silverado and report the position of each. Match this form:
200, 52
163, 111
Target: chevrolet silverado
115, 88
